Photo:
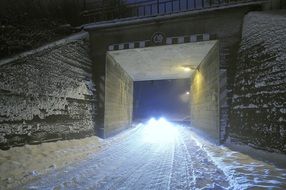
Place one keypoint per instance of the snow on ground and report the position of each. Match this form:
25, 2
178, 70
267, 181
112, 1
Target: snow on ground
157, 155
21, 164
245, 171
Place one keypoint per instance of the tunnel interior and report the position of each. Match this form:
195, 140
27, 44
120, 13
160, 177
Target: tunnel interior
161, 99
148, 82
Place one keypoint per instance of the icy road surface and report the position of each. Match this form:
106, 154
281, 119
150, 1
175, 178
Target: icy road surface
163, 156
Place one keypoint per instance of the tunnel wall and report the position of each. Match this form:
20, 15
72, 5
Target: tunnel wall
204, 95
118, 98
47, 95
258, 115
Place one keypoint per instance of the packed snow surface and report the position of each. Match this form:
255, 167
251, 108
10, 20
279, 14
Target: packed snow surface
20, 164
162, 155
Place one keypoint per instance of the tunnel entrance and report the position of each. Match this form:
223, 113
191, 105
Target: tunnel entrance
161, 98
196, 62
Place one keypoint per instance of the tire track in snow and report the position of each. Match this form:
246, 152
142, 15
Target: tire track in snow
133, 163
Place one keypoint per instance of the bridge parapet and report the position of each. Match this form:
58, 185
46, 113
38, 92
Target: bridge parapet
147, 8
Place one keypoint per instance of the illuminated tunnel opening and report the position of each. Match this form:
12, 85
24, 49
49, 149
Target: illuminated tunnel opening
177, 82
161, 99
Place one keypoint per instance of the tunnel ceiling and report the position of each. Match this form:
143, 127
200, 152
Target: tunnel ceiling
162, 62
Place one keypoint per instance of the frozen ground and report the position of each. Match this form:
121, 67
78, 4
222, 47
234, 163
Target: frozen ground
21, 164
160, 155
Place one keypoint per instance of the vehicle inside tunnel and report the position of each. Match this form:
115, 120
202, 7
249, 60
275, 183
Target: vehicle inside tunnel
161, 98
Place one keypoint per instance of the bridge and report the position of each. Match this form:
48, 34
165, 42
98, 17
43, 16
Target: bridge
97, 11
204, 38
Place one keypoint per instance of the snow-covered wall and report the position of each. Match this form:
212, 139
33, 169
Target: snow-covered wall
47, 95
259, 103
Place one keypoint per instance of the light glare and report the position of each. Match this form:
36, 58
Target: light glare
159, 131
187, 69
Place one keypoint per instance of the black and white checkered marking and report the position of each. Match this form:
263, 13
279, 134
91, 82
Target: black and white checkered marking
168, 41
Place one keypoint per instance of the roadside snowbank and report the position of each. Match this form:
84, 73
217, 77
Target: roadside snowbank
244, 170
20, 164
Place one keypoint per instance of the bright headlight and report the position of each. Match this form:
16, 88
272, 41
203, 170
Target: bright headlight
159, 131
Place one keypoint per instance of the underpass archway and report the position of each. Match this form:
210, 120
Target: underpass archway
197, 62
221, 24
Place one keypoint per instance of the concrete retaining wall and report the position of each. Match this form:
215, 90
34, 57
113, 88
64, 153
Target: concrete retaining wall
259, 103
47, 95
204, 96
118, 98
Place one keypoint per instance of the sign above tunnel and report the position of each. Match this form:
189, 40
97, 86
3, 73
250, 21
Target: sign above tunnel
158, 38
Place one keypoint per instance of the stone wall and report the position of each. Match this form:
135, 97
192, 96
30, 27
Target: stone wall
118, 98
204, 96
259, 103
47, 95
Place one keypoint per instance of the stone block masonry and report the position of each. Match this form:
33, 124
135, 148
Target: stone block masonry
258, 115
47, 95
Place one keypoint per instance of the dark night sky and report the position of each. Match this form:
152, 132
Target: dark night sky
161, 98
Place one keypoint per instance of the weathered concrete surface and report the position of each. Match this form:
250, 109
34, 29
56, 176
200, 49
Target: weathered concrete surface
162, 62
204, 94
47, 95
259, 101
118, 98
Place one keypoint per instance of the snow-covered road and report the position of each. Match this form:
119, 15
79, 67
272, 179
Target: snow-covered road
160, 156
